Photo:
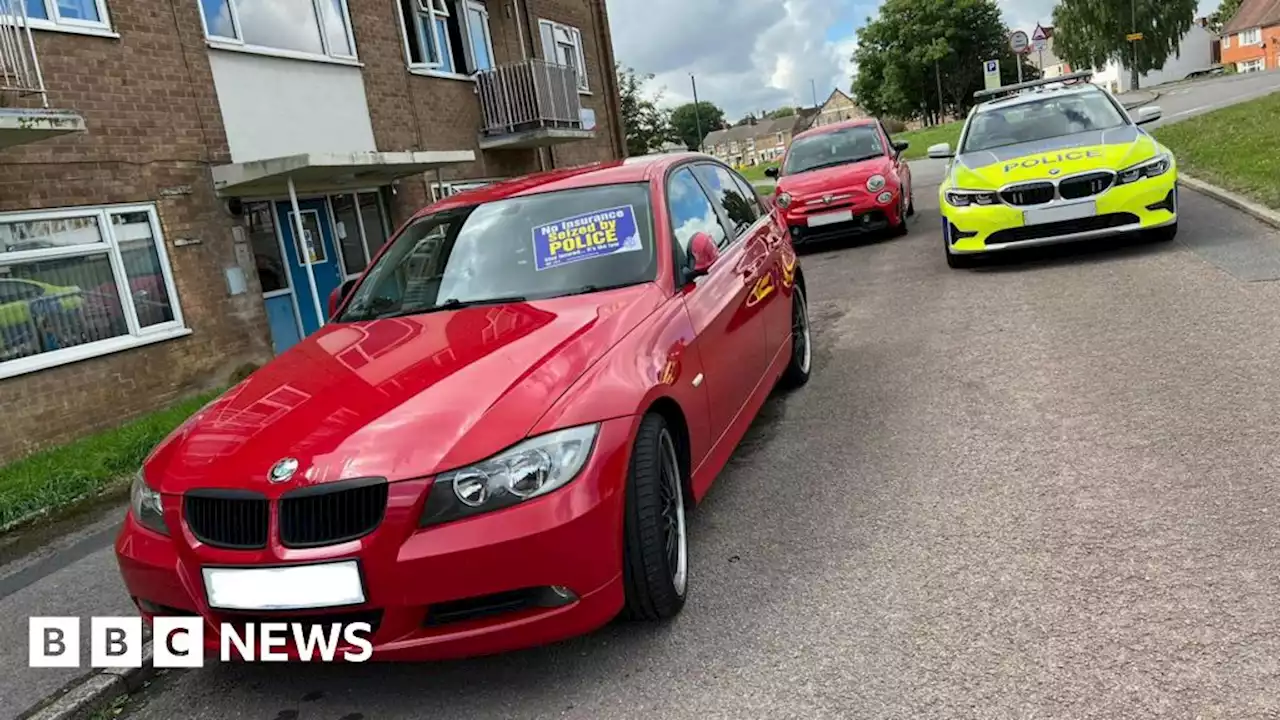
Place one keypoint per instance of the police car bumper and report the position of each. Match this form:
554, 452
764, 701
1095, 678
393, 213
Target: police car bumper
1145, 205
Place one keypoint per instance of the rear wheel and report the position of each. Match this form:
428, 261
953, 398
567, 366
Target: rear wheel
797, 372
655, 562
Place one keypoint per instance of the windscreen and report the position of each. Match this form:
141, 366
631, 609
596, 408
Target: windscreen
1054, 116
521, 248
836, 147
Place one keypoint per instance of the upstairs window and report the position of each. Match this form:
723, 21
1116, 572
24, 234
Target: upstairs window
292, 27
1251, 37
447, 36
68, 14
562, 45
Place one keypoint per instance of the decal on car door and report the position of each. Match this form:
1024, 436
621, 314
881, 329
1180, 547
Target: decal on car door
763, 289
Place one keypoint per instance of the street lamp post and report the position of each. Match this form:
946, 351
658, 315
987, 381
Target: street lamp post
1133, 71
697, 113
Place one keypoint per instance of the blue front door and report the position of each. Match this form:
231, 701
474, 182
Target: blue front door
319, 247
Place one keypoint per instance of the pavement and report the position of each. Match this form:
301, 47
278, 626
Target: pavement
1042, 488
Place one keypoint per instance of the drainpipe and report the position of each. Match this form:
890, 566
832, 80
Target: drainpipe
300, 233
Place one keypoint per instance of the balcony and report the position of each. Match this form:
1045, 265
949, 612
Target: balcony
21, 83
530, 104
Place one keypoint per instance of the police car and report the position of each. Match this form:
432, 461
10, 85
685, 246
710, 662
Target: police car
1053, 161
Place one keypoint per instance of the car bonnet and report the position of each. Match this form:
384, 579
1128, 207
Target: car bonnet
1052, 158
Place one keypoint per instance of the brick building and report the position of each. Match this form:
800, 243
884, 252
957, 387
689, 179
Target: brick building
1251, 39
153, 153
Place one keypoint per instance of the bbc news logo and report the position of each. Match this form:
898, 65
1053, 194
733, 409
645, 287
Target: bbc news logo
178, 642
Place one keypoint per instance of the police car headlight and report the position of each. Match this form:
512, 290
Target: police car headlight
783, 200
965, 198
875, 183
1148, 169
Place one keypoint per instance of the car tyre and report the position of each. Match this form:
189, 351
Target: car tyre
1165, 234
911, 206
655, 562
797, 372
957, 261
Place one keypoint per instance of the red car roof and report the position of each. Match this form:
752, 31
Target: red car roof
821, 129
631, 170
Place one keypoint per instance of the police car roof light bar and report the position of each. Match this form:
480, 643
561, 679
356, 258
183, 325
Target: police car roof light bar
1070, 79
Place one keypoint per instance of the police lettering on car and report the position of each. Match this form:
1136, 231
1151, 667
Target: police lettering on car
1053, 159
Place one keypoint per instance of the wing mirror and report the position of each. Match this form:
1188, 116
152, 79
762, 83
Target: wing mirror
1149, 114
941, 151
771, 172
339, 295
901, 146
703, 253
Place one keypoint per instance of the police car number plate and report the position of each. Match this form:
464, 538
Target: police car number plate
1060, 213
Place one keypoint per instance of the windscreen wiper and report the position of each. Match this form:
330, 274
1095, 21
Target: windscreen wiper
452, 304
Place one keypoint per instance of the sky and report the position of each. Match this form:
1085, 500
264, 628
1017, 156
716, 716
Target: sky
753, 55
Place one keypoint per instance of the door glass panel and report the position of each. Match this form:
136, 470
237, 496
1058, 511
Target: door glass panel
347, 231
692, 212
266, 247
375, 225
137, 241
311, 238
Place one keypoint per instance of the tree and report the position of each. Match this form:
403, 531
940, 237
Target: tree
782, 112
923, 58
1223, 15
685, 121
1088, 33
647, 126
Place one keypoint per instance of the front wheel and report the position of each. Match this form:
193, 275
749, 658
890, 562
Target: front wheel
655, 553
797, 372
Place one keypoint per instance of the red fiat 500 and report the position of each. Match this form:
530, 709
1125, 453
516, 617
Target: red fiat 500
495, 440
844, 180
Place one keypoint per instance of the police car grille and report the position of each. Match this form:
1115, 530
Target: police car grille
1086, 185
232, 519
1029, 194
332, 514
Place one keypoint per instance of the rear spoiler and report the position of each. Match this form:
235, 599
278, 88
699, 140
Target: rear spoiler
1072, 79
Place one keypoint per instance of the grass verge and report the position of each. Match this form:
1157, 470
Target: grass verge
755, 173
1237, 148
56, 478
921, 139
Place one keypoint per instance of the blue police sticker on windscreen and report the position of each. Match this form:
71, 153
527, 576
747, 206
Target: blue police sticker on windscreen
582, 237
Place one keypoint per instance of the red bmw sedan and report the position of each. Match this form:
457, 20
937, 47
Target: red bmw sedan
844, 180
495, 440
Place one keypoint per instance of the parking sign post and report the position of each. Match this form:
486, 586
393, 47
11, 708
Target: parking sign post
1021, 45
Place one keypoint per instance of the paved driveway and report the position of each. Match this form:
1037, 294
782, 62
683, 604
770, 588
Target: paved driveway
1041, 489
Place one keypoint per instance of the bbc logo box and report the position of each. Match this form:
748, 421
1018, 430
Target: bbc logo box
179, 642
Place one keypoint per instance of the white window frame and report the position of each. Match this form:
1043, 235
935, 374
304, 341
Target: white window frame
1226, 42
550, 55
110, 246
328, 54
440, 9
1252, 36
1250, 66
75, 25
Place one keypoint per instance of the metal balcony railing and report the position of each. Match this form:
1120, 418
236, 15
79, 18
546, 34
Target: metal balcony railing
528, 95
19, 68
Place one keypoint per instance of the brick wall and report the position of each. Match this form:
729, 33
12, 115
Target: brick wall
153, 122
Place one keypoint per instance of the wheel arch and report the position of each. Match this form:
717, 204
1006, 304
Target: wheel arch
674, 415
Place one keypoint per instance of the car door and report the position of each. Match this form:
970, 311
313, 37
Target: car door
780, 263
730, 343
900, 166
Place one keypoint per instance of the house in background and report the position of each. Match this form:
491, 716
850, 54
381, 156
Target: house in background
758, 141
1251, 39
1047, 62
1196, 53
838, 108
182, 184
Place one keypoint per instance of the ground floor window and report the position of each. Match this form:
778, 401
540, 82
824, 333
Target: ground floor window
81, 282
1251, 66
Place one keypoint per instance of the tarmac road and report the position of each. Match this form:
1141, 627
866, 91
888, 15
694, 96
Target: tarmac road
1044, 488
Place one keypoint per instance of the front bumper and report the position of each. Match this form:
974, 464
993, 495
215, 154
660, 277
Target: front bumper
868, 216
1144, 205
470, 587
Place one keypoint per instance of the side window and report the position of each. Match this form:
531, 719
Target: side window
691, 212
726, 193
749, 193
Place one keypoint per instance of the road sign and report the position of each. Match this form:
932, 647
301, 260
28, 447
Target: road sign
1132, 37
991, 73
1039, 38
1020, 43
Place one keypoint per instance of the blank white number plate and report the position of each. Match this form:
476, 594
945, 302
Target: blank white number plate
830, 218
295, 587
1060, 213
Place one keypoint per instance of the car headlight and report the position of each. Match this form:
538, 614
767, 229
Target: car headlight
965, 198
144, 503
885, 198
784, 200
1154, 167
525, 471
875, 183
